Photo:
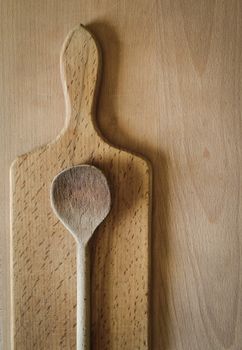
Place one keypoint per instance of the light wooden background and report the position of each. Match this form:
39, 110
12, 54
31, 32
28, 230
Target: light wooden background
171, 90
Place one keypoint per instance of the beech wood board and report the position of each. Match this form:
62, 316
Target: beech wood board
43, 251
171, 89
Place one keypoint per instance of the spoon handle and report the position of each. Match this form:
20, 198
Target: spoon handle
83, 298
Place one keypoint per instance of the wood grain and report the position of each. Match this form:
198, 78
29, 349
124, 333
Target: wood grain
171, 89
44, 254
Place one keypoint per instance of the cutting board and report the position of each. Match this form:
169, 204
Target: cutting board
43, 253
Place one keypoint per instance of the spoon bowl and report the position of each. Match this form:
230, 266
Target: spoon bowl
81, 199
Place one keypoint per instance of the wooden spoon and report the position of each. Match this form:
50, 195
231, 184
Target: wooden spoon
80, 197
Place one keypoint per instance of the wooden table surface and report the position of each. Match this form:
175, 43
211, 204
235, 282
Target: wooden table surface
171, 90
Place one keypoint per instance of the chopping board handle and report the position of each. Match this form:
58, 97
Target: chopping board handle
80, 59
